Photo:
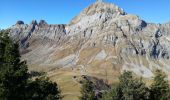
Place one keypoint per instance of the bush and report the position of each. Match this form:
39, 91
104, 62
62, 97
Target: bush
36, 74
42, 89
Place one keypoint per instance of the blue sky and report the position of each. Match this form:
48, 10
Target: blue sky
62, 11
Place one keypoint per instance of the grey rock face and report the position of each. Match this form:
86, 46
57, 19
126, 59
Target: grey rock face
42, 23
24, 33
102, 26
34, 22
111, 22
19, 22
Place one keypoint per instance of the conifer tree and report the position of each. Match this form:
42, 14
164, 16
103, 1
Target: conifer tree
87, 91
128, 88
43, 89
14, 81
13, 72
160, 89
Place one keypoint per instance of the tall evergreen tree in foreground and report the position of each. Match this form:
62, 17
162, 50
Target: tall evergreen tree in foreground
14, 81
13, 72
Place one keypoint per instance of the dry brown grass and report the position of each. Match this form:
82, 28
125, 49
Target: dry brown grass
64, 78
70, 87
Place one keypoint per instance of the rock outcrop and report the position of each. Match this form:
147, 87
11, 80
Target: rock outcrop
101, 35
42, 31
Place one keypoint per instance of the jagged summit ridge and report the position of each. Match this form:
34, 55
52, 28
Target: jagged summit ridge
41, 31
94, 18
98, 9
102, 7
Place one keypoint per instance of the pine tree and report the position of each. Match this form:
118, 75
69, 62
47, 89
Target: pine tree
87, 91
13, 72
14, 81
160, 89
111, 94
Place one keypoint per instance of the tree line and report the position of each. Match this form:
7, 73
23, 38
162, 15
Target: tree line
131, 88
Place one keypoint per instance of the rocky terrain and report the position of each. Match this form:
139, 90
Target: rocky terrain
101, 41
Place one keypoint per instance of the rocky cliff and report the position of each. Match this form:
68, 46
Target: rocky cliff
100, 37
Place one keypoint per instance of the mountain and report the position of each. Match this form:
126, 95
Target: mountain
101, 41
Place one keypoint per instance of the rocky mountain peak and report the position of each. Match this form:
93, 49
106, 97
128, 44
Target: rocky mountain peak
103, 7
93, 20
101, 32
99, 10
101, 41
